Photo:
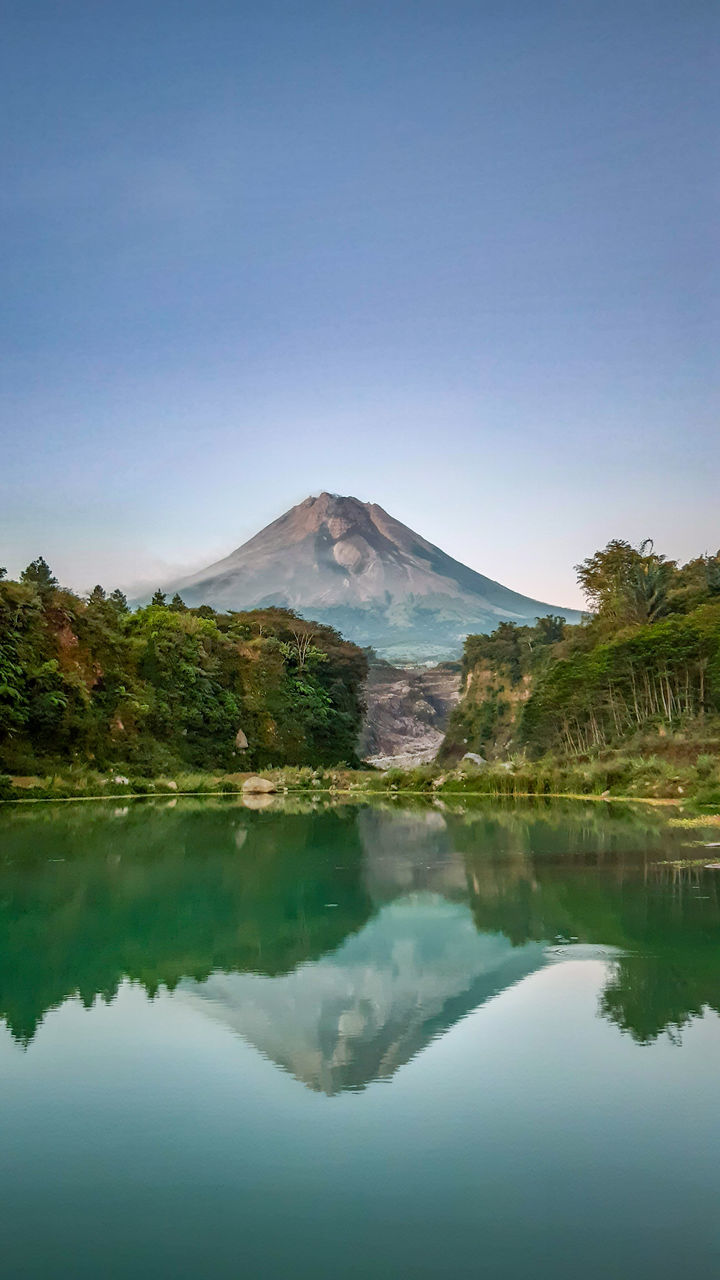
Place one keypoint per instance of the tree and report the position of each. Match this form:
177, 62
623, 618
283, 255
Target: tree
118, 600
712, 574
302, 649
550, 629
3, 573
39, 576
177, 604
159, 599
97, 595
647, 588
624, 584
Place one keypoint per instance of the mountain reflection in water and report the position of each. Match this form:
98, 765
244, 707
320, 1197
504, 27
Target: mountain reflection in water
360, 1013
341, 939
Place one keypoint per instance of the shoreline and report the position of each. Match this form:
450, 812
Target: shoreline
660, 801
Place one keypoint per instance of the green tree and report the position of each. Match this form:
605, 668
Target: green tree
38, 575
118, 600
624, 584
550, 629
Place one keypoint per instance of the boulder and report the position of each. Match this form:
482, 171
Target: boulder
241, 741
474, 758
259, 786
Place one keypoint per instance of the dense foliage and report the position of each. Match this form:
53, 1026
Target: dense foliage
167, 686
647, 657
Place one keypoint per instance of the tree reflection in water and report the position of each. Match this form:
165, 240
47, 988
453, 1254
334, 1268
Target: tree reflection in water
341, 938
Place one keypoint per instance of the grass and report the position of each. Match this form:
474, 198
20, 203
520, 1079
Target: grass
651, 777
697, 820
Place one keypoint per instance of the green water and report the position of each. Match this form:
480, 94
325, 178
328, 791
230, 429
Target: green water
357, 1042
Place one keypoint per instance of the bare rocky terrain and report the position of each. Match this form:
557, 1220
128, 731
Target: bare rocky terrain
407, 713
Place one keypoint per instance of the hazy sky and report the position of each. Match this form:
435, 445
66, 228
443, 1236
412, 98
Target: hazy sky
456, 258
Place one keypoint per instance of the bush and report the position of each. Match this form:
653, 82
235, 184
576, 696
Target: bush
706, 766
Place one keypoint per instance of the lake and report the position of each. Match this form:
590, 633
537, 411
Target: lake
352, 1040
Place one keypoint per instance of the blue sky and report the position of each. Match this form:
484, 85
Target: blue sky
456, 258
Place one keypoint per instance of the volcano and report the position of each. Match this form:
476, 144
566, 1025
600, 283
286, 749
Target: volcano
349, 564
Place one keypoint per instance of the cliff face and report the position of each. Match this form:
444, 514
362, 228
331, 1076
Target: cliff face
352, 565
487, 713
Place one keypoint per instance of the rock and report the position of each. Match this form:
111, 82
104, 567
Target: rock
241, 741
406, 760
258, 786
407, 713
121, 781
474, 758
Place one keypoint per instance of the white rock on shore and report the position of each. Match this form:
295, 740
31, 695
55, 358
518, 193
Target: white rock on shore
259, 786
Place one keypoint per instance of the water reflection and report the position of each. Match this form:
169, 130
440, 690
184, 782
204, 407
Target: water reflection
340, 940
360, 1013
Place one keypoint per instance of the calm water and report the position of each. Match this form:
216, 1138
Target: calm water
357, 1042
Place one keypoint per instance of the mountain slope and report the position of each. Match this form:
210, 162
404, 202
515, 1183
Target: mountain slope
350, 564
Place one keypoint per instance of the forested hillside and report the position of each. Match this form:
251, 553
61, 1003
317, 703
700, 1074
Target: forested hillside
646, 660
89, 681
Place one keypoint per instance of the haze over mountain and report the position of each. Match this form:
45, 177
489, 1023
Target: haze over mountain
350, 564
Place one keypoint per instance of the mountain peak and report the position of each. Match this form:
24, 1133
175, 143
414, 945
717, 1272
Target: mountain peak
334, 504
349, 563
334, 516
331, 504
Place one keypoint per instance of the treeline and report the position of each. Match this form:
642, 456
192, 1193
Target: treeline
88, 680
647, 656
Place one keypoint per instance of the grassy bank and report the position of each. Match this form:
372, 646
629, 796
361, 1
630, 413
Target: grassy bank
622, 777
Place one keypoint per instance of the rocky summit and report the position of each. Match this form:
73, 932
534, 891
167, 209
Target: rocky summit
351, 565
